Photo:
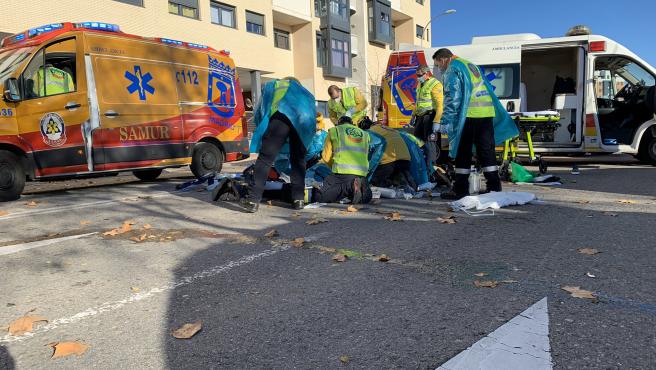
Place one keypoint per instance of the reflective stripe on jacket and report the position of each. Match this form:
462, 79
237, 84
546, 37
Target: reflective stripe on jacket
480, 103
350, 150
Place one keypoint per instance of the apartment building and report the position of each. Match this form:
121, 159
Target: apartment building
320, 42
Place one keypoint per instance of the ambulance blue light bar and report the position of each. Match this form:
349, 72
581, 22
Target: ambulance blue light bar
197, 46
172, 42
44, 29
99, 26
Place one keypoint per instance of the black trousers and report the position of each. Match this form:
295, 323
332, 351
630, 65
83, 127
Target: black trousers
385, 174
338, 187
477, 132
279, 130
423, 130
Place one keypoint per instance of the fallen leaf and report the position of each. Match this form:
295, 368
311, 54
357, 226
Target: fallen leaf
272, 234
588, 251
447, 220
126, 227
298, 242
577, 292
134, 289
344, 359
583, 202
316, 221
394, 216
3, 213
269, 203
590, 275
339, 258
508, 281
352, 209
481, 274
83, 223
611, 214
63, 349
24, 324
383, 258
486, 283
187, 331
627, 201
327, 250
31, 204
296, 215
147, 227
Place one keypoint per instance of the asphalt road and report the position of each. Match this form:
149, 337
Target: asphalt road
264, 303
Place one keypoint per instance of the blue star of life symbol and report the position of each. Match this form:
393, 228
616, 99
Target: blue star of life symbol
140, 82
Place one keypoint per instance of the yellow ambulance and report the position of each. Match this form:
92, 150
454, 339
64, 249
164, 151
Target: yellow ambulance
85, 98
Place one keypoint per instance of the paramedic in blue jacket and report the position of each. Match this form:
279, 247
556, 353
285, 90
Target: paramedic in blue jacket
285, 115
473, 116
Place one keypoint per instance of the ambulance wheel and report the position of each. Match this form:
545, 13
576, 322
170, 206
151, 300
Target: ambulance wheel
148, 175
647, 151
12, 176
207, 158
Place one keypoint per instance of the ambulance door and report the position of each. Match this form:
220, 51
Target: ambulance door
505, 80
140, 121
53, 108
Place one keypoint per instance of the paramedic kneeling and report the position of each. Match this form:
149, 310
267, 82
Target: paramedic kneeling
468, 119
346, 152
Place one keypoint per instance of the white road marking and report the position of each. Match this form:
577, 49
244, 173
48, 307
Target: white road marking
521, 343
38, 244
56, 209
115, 305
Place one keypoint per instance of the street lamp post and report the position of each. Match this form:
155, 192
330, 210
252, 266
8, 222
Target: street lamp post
446, 12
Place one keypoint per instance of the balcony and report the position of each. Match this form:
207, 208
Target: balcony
292, 12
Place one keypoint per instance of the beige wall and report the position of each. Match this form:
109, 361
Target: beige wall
250, 51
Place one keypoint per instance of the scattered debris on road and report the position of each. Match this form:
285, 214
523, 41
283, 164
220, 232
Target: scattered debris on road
24, 324
447, 220
316, 221
340, 258
383, 258
577, 292
187, 331
272, 234
298, 242
394, 216
63, 349
588, 251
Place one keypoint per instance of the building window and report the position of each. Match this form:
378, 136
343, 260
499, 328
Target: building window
379, 13
132, 2
222, 14
281, 39
340, 53
340, 8
254, 23
321, 50
320, 8
420, 32
185, 8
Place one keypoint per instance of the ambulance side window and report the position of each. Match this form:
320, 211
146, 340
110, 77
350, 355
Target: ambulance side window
51, 72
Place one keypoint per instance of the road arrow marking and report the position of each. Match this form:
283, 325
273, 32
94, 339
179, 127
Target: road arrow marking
521, 343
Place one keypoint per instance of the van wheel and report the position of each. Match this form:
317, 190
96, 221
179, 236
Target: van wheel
148, 175
647, 152
12, 176
206, 159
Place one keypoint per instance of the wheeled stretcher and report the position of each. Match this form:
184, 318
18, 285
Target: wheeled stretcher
543, 123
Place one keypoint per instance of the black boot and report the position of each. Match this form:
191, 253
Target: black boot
460, 188
493, 181
298, 204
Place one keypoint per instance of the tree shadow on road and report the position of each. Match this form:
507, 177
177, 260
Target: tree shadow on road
6, 361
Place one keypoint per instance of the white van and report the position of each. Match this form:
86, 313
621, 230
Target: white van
603, 92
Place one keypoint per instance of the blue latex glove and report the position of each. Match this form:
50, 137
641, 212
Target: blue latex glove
442, 129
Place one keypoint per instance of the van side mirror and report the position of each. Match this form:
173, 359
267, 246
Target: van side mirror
10, 92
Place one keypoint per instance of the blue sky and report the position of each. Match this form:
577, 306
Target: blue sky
629, 22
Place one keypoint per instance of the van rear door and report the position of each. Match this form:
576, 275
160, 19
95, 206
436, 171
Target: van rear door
140, 119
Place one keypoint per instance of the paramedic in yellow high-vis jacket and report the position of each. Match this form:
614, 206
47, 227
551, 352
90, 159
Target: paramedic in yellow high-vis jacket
348, 101
429, 106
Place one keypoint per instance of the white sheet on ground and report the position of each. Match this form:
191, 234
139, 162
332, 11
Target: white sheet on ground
494, 200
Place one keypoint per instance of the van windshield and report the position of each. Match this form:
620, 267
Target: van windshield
10, 60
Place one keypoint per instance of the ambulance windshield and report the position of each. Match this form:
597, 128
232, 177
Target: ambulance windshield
10, 60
